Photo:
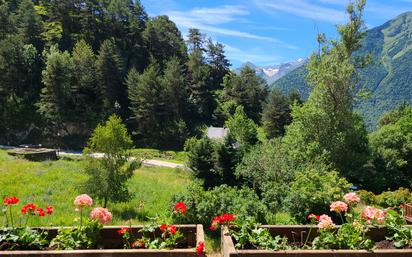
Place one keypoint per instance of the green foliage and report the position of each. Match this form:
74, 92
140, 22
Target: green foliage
326, 125
22, 239
267, 162
348, 236
312, 191
246, 89
248, 234
204, 205
276, 114
214, 162
109, 173
391, 148
398, 232
84, 237
167, 240
243, 129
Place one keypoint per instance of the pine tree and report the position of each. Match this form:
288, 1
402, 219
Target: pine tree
243, 129
195, 40
276, 114
55, 99
246, 89
29, 24
164, 40
86, 98
109, 73
218, 62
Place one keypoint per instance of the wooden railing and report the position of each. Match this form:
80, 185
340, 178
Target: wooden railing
407, 212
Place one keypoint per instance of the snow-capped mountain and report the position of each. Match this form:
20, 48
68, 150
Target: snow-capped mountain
275, 72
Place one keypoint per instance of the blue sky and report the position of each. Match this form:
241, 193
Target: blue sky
268, 32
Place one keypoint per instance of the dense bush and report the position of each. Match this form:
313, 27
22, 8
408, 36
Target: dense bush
313, 190
388, 198
204, 205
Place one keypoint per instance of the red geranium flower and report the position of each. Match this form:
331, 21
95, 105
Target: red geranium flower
10, 200
49, 209
29, 208
181, 208
224, 219
200, 249
123, 231
172, 229
163, 227
40, 212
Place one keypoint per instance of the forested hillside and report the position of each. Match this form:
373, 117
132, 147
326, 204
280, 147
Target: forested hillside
67, 65
387, 79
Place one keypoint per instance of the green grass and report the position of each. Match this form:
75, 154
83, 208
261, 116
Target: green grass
179, 157
59, 182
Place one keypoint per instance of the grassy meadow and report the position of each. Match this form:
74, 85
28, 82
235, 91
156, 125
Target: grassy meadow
58, 182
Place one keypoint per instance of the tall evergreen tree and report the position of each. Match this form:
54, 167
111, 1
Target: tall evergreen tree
218, 62
195, 40
164, 40
246, 89
86, 98
55, 99
276, 114
109, 71
29, 24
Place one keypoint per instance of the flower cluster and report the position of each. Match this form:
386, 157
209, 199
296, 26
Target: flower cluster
10, 200
102, 215
351, 198
200, 249
338, 207
372, 214
224, 219
180, 208
31, 208
123, 231
82, 201
168, 228
325, 222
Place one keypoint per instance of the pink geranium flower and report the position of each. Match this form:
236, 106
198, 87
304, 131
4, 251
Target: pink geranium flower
338, 207
101, 214
351, 198
370, 214
325, 222
82, 201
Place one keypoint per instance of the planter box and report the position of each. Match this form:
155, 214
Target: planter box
112, 245
298, 234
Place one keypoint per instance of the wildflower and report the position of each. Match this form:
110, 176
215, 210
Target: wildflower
49, 209
338, 207
351, 198
29, 208
10, 200
101, 214
82, 201
180, 208
123, 231
200, 249
325, 222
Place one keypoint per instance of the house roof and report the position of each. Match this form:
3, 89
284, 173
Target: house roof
217, 133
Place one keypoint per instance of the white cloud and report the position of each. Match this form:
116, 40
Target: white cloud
304, 8
386, 11
207, 19
255, 55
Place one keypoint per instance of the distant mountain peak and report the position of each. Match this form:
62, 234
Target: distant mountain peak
275, 72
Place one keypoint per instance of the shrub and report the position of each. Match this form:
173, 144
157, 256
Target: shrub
204, 205
394, 198
313, 190
367, 197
